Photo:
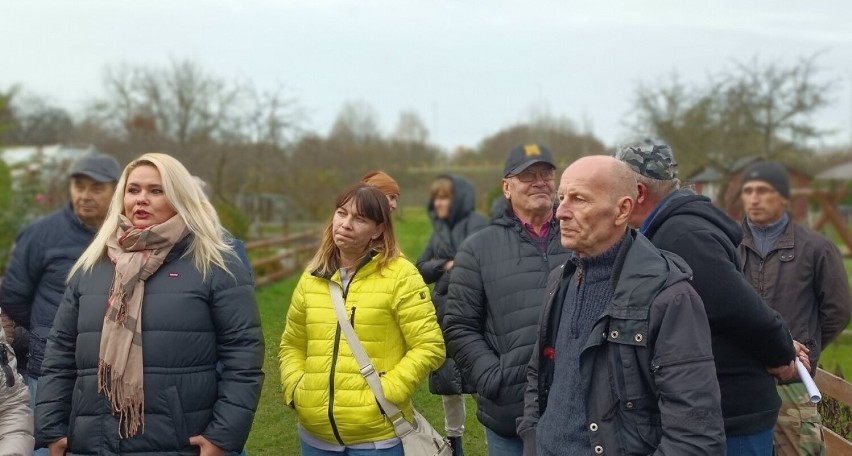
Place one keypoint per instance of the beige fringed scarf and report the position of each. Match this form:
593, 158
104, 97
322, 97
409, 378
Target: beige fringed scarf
137, 253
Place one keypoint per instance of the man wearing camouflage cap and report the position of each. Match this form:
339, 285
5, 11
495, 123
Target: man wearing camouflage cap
45, 250
750, 340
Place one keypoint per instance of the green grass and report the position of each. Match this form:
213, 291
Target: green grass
274, 429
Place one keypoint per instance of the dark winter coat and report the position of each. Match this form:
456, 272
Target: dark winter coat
748, 336
649, 382
189, 325
803, 278
43, 255
495, 295
447, 236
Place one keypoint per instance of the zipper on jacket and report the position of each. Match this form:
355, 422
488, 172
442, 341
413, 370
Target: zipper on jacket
760, 275
352, 318
656, 367
334, 355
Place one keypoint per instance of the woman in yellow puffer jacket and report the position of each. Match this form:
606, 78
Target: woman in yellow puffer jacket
391, 310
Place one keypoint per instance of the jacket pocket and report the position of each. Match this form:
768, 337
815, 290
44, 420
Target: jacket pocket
35, 355
297, 392
176, 409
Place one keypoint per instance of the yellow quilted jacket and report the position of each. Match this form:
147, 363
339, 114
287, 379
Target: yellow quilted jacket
393, 315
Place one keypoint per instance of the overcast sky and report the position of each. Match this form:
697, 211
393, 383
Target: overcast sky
468, 67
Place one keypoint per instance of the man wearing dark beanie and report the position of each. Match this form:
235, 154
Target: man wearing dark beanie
799, 273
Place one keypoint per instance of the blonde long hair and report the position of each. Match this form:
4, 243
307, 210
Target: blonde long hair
372, 204
208, 245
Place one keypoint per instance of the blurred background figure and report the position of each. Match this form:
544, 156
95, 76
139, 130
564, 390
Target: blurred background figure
159, 355
452, 212
388, 306
382, 181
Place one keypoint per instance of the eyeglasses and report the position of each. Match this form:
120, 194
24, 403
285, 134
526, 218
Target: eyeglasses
530, 175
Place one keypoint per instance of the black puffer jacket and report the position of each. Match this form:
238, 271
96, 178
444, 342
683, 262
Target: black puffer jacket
747, 334
35, 278
493, 304
188, 326
447, 236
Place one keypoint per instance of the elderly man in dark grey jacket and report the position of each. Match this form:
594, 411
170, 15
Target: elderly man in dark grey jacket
495, 294
623, 363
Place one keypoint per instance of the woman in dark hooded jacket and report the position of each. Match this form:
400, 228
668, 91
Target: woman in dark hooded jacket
452, 211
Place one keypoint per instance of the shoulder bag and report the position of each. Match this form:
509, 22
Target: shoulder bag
418, 438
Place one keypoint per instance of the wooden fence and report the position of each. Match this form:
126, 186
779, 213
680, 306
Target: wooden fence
841, 390
281, 256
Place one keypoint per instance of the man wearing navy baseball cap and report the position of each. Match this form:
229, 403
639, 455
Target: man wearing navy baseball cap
45, 250
496, 290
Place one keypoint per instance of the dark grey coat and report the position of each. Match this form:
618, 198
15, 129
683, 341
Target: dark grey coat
447, 236
189, 325
649, 382
496, 290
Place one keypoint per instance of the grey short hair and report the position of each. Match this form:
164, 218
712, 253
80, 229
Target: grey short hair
657, 188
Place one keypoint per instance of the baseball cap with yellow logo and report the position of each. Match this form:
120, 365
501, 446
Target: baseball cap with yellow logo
522, 157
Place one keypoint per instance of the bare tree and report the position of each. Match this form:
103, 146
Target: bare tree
357, 121
410, 128
40, 123
229, 133
558, 135
753, 109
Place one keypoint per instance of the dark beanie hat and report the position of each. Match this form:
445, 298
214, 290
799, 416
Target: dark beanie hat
770, 172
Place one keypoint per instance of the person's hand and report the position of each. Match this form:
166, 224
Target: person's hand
802, 351
784, 373
207, 447
448, 265
58, 447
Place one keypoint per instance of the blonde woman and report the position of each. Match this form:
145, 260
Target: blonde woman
155, 302
388, 305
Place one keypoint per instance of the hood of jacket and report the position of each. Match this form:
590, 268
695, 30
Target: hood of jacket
463, 201
687, 202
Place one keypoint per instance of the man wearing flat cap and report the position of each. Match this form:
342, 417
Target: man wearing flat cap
45, 250
496, 291
799, 273
750, 340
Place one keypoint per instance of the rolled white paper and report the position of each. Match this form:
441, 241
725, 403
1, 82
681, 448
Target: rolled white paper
813, 391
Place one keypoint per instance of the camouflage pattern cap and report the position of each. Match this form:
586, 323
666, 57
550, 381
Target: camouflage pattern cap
650, 160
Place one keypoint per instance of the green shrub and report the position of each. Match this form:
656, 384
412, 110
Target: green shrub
233, 220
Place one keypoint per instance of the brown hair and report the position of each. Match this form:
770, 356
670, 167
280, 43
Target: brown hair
442, 186
370, 203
